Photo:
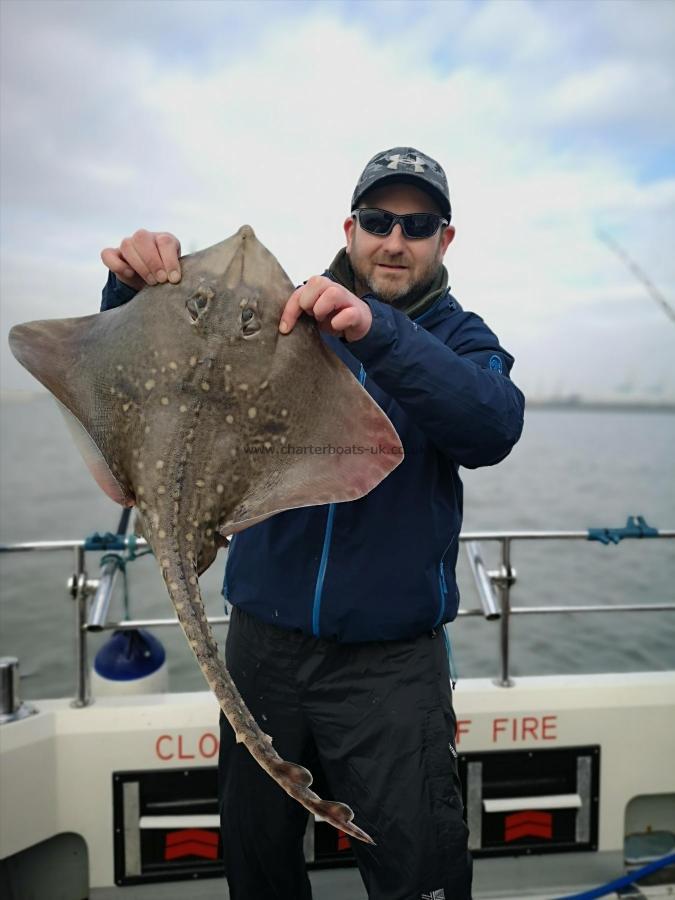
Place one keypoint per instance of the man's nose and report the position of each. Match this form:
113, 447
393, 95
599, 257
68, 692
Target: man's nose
395, 241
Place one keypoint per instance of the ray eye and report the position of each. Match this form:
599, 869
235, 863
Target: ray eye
198, 302
250, 324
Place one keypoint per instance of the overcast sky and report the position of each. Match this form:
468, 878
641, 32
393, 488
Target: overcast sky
552, 120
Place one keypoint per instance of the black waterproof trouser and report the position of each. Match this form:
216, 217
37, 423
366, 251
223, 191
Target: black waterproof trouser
378, 719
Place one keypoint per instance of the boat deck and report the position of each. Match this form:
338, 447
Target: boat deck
520, 878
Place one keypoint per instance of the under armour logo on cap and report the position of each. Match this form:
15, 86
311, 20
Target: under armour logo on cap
416, 162
409, 165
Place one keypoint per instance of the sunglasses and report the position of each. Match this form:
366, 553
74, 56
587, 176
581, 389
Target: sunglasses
415, 225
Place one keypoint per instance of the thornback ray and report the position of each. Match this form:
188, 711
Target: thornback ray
189, 404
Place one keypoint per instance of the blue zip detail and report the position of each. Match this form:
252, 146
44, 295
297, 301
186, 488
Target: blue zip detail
443, 585
451, 661
318, 587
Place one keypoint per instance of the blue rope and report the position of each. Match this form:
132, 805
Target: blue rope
119, 541
107, 541
635, 527
624, 881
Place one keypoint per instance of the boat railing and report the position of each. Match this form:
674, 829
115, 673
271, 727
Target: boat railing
92, 596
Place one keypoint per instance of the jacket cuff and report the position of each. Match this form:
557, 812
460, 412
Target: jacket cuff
116, 293
382, 332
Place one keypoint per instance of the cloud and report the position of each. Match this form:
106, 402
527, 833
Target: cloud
195, 118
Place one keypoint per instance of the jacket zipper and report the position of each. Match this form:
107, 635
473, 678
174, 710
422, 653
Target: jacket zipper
328, 534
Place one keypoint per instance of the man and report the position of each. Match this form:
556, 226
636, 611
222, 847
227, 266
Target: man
336, 637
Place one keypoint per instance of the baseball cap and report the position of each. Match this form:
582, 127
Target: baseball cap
405, 164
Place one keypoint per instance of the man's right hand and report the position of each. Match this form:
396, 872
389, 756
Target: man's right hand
147, 257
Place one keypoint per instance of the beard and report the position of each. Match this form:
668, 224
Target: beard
400, 296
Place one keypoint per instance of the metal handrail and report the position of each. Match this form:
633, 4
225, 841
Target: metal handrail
494, 590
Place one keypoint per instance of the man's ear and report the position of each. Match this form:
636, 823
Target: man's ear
446, 239
349, 226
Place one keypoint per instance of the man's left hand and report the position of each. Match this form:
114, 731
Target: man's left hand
337, 311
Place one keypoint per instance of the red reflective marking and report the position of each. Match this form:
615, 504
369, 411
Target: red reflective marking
521, 831
343, 842
528, 816
191, 834
191, 842
528, 824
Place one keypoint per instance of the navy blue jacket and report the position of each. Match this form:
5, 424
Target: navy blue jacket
383, 567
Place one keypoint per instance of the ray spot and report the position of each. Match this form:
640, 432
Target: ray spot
164, 401
193, 361
192, 579
161, 489
189, 536
140, 491
229, 419
252, 412
159, 464
182, 407
219, 489
172, 365
200, 482
149, 384
125, 407
161, 533
284, 412
243, 387
228, 367
206, 386
173, 587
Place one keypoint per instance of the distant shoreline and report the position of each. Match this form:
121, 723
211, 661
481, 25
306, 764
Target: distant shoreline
589, 405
